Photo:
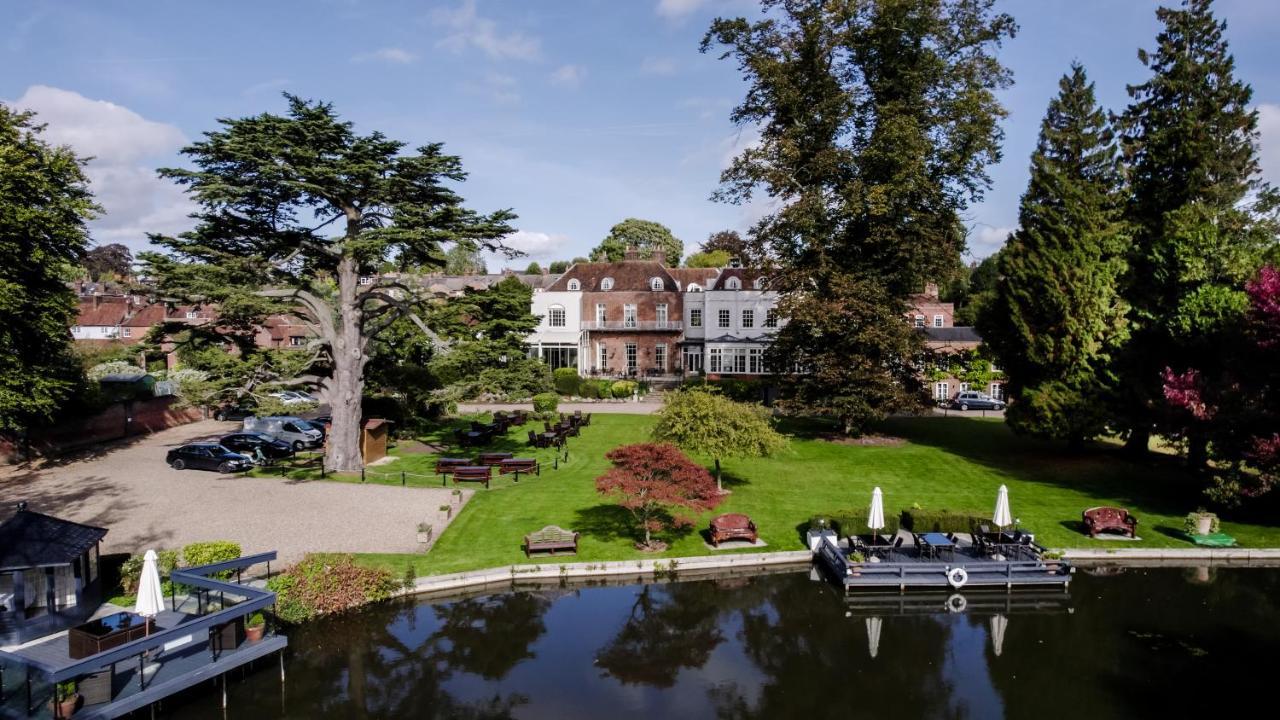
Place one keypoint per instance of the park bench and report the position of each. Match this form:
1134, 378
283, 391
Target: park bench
551, 539
473, 473
732, 526
514, 465
492, 458
445, 465
1100, 519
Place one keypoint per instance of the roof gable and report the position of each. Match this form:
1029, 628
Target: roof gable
32, 539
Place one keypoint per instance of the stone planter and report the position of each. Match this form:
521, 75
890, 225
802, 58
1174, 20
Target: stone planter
1204, 525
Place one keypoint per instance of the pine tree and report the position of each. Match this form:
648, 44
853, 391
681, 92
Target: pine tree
1189, 138
1056, 317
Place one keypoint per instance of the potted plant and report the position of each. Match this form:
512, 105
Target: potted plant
1201, 522
424, 532
447, 510
855, 563
65, 699
1052, 560
255, 626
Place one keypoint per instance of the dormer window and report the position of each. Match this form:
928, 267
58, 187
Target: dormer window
759, 283
575, 285
655, 284
733, 283
366, 279
606, 284
694, 287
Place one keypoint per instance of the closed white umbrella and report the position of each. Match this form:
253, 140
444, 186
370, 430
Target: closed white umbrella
873, 636
1002, 517
150, 596
875, 519
998, 625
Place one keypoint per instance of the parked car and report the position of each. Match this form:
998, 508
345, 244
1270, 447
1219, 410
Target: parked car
232, 412
250, 443
207, 456
973, 400
292, 430
322, 426
295, 397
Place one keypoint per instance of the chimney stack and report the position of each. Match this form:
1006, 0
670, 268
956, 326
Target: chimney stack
631, 253
931, 290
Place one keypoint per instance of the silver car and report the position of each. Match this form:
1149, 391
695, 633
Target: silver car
974, 400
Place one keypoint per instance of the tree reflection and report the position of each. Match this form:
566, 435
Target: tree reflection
488, 636
670, 627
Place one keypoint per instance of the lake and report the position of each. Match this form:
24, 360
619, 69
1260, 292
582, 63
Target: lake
1141, 642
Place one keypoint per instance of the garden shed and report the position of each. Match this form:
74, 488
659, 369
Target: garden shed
373, 440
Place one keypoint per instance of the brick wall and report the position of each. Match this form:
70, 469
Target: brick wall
616, 344
139, 417
646, 302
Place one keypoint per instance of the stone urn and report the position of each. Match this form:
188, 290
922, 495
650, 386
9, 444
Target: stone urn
1204, 524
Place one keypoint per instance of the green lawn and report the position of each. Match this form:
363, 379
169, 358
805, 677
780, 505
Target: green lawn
950, 463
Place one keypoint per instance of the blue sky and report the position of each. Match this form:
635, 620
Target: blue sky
575, 113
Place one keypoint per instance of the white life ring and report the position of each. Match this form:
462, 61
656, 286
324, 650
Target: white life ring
956, 603
957, 577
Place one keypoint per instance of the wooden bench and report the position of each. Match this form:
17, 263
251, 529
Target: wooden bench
1100, 519
733, 526
473, 473
445, 465
520, 465
551, 539
492, 458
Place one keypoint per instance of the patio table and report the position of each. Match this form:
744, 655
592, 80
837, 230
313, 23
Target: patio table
937, 541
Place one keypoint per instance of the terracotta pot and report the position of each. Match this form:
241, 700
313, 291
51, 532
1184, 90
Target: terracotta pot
254, 633
67, 707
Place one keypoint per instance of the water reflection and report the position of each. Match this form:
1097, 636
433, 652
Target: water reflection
1138, 644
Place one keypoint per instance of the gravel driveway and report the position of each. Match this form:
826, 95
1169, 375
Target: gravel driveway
128, 489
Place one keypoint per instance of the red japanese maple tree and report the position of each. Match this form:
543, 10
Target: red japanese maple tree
659, 486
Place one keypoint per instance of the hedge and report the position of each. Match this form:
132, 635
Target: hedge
623, 389
944, 521
854, 522
545, 403
131, 570
212, 551
567, 381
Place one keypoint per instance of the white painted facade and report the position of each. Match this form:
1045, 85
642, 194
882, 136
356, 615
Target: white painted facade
558, 337
95, 332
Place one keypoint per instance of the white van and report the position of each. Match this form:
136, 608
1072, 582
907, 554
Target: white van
294, 431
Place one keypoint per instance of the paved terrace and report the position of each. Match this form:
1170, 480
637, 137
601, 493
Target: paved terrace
127, 488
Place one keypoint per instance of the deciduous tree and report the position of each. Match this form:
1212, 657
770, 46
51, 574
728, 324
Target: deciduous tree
877, 121
44, 205
464, 259
113, 259
297, 209
659, 486
708, 259
705, 422
1057, 319
644, 236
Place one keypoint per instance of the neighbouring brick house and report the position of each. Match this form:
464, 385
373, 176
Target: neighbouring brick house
936, 320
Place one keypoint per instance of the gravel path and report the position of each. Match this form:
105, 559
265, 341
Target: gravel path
128, 488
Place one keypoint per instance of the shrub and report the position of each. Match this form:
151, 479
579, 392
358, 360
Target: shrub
114, 367
623, 389
324, 584
944, 521
255, 619
567, 381
131, 570
212, 551
545, 402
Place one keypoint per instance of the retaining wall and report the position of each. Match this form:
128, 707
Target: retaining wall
118, 421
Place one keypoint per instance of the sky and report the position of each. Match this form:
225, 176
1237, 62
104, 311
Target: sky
575, 114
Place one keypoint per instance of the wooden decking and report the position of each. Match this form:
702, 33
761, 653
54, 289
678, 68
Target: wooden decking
905, 569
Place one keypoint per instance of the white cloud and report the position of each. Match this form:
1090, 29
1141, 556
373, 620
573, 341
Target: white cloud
569, 76
469, 30
265, 86
658, 66
126, 148
985, 240
391, 55
536, 245
678, 8
1269, 144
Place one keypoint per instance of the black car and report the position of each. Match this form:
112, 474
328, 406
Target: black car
249, 443
232, 412
207, 456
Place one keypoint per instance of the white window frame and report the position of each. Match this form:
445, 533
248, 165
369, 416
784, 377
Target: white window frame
297, 341
366, 279
554, 313
942, 390
631, 356
574, 285
655, 284
771, 318
938, 320
192, 314
919, 321
661, 314
602, 356
606, 284
997, 391
723, 318
695, 317
600, 313
629, 316
748, 318
660, 356
126, 332
733, 283
759, 284
694, 287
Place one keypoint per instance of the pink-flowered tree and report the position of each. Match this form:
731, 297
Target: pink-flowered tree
1240, 410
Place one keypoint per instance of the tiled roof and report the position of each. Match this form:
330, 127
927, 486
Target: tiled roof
146, 316
953, 334
31, 539
628, 275
102, 312
703, 277
746, 275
